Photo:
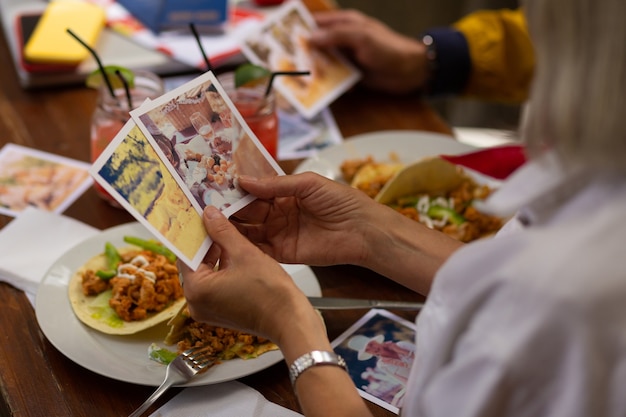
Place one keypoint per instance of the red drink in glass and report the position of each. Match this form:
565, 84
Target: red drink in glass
112, 114
102, 134
257, 109
263, 122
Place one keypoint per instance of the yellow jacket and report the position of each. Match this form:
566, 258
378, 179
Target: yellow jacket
491, 57
501, 54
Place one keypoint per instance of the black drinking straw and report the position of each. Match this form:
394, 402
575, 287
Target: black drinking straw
274, 74
126, 89
97, 58
206, 58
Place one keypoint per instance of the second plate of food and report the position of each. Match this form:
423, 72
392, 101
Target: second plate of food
405, 145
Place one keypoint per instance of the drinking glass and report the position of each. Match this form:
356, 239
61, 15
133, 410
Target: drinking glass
112, 113
257, 109
202, 126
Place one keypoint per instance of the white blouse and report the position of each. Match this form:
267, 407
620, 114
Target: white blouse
533, 321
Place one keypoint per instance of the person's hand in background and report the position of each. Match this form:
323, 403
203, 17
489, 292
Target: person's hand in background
390, 61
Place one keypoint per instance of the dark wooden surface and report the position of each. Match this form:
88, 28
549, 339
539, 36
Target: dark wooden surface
38, 380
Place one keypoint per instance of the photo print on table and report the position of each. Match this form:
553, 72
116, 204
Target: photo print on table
281, 44
379, 350
130, 170
301, 138
205, 143
34, 178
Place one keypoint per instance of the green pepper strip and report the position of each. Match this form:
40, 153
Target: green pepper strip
151, 246
439, 212
106, 275
113, 259
112, 255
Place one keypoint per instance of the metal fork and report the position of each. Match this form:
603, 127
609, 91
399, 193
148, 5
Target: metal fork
184, 367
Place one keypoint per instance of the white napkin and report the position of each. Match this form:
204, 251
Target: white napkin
31, 243
228, 399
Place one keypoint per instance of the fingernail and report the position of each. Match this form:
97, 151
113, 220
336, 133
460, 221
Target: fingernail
248, 178
317, 36
211, 212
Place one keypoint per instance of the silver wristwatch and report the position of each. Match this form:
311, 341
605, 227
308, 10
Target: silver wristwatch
314, 358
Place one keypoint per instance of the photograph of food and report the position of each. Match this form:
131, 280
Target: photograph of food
204, 143
131, 171
435, 192
281, 44
29, 177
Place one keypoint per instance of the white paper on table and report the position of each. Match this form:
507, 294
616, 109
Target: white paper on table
228, 399
32, 242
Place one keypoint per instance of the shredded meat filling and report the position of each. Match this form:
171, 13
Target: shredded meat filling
224, 343
476, 224
135, 298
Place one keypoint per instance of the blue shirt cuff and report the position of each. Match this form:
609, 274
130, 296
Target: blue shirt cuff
452, 61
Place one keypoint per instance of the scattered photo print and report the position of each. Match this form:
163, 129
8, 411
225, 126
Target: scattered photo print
379, 350
33, 178
301, 138
281, 44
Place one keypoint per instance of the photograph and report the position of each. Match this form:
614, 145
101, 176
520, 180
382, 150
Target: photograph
379, 350
34, 178
205, 143
130, 170
281, 44
301, 138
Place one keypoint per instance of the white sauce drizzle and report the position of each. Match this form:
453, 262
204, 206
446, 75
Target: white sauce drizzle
424, 203
134, 267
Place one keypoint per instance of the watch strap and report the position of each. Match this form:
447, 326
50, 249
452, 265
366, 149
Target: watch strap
314, 358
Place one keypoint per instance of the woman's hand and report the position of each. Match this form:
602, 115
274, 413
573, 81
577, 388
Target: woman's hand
251, 292
248, 291
307, 219
390, 61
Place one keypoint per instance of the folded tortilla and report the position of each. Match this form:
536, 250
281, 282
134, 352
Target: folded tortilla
179, 331
427, 176
95, 312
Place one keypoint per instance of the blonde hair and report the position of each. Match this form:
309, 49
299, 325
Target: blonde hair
578, 97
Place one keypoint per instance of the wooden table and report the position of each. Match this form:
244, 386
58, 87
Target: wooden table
38, 380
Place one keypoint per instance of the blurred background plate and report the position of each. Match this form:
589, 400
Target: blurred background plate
407, 145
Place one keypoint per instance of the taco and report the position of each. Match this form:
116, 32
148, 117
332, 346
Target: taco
440, 195
126, 290
225, 344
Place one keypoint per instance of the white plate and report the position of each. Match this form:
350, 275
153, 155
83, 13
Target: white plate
484, 138
408, 145
125, 358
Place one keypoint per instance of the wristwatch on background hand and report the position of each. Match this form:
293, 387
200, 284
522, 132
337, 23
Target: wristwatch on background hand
449, 62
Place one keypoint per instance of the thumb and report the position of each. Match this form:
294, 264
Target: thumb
220, 230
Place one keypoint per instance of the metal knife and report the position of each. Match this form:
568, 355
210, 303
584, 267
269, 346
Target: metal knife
334, 303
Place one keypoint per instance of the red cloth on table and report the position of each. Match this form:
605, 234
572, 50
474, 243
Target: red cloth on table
498, 162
